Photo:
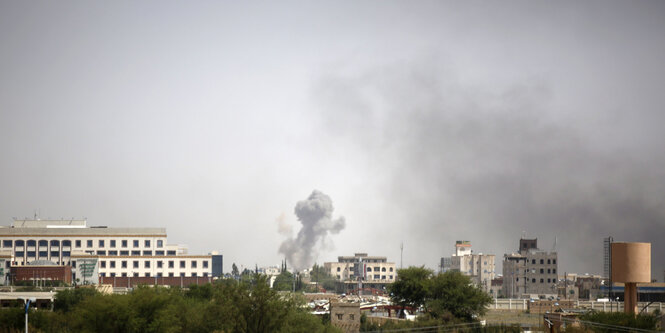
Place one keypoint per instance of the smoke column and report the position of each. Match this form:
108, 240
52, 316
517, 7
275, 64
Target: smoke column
315, 215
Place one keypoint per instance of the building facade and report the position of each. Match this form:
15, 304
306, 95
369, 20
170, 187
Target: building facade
530, 272
480, 267
95, 252
360, 269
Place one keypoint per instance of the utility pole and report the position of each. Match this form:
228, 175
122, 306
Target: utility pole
401, 254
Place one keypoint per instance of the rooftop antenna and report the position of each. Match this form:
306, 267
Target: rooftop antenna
401, 254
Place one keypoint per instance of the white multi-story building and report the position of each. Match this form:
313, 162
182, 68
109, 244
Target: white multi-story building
361, 269
102, 251
480, 267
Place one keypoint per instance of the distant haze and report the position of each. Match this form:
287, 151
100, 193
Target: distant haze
424, 122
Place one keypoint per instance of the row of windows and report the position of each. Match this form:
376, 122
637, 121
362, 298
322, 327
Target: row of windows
56, 254
148, 275
376, 277
542, 271
534, 280
147, 263
542, 261
369, 269
78, 243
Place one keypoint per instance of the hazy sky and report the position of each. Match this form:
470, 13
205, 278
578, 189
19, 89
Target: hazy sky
425, 123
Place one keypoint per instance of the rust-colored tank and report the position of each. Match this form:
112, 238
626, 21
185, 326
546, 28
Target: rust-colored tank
631, 264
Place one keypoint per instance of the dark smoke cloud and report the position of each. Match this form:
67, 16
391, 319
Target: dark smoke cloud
468, 163
315, 215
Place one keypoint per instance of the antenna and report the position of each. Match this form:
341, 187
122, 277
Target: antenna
401, 254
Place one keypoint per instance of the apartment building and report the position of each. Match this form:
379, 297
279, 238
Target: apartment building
530, 271
480, 267
360, 269
94, 251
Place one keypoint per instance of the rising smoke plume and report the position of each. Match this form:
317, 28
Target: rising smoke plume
466, 162
315, 215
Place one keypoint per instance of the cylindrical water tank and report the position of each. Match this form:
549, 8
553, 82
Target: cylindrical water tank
631, 262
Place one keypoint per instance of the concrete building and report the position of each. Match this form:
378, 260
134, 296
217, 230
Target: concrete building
371, 271
480, 267
530, 272
100, 251
41, 272
345, 316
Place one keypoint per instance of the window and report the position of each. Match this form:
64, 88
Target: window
124, 243
554, 271
542, 271
55, 254
146, 274
32, 243
170, 252
43, 243
542, 280
19, 243
160, 243
548, 261
88, 243
171, 264
66, 243
136, 264
146, 264
31, 253
101, 253
548, 271
55, 243
113, 253
6, 243
112, 243
533, 261
383, 277
182, 264
74, 264
159, 253
517, 279
391, 269
351, 316
205, 274
124, 253
136, 243
136, 274
533, 280
194, 274
383, 269
369, 269
554, 261
391, 277
19, 253
43, 254
112, 263
205, 264
159, 264
159, 274
136, 253
66, 253
542, 261
182, 274
147, 243
147, 253
112, 274
193, 263
376, 269
124, 274
123, 264
548, 281
340, 316
102, 264
102, 274
101, 243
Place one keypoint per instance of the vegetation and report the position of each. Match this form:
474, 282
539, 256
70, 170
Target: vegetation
608, 321
444, 297
225, 306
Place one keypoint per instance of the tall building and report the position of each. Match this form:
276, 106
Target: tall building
480, 267
529, 272
607, 257
100, 251
360, 269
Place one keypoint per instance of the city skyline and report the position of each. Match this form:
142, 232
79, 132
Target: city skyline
425, 123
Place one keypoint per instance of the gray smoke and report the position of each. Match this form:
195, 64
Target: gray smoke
467, 162
315, 215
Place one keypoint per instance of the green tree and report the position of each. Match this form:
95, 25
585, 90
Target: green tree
284, 281
455, 293
322, 278
412, 286
65, 300
234, 270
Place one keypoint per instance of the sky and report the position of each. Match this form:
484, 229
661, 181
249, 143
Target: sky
423, 122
